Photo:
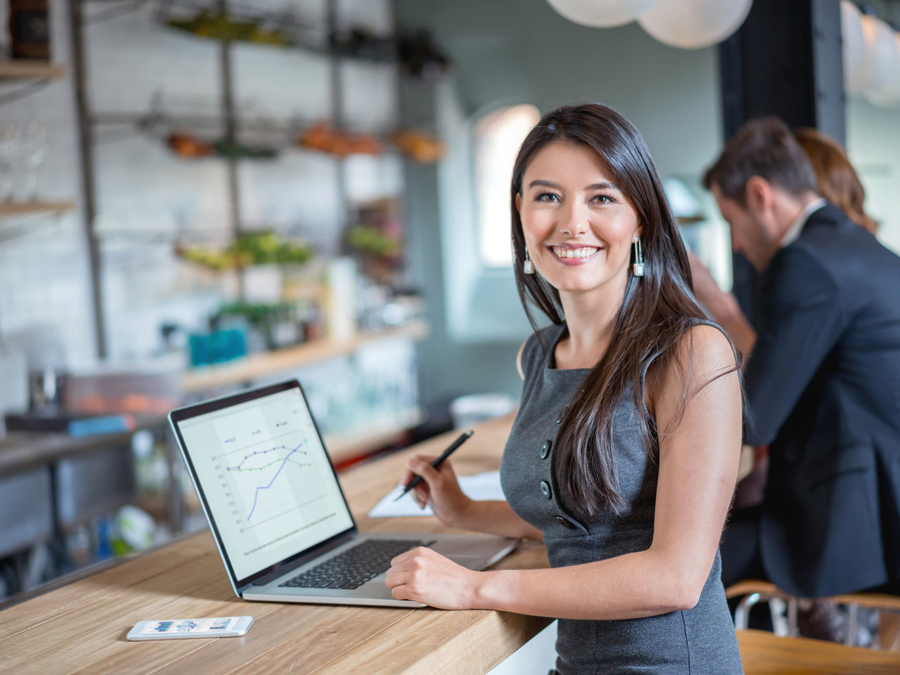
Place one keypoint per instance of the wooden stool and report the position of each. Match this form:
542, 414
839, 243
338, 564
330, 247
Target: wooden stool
763, 653
762, 591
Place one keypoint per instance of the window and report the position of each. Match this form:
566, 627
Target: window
480, 295
497, 140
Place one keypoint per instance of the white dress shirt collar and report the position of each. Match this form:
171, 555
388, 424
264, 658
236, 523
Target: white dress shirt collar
793, 232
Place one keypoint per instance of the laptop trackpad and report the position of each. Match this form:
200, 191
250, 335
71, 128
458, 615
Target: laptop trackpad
472, 553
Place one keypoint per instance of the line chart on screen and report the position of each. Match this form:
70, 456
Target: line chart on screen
269, 479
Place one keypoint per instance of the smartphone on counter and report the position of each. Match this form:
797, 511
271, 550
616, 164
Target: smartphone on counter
168, 629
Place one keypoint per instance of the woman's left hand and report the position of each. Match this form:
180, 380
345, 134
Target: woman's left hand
422, 575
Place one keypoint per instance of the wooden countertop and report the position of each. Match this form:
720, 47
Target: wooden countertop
767, 654
82, 626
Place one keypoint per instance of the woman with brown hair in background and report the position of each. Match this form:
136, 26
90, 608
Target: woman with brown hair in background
838, 181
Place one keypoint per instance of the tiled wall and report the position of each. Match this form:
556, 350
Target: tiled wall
146, 198
43, 272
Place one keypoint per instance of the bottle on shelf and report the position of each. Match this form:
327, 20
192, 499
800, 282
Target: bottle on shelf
29, 30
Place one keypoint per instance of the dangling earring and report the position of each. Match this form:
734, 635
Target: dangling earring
638, 267
527, 266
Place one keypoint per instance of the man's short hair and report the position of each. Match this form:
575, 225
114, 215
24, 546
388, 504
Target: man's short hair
766, 148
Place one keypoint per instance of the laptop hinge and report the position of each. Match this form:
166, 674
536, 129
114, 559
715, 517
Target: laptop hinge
305, 558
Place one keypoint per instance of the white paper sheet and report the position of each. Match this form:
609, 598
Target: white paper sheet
481, 486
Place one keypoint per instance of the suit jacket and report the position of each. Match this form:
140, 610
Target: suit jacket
823, 389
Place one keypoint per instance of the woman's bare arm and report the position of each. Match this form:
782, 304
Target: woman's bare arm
699, 450
454, 509
440, 488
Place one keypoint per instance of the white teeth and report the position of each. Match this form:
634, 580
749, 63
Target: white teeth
585, 252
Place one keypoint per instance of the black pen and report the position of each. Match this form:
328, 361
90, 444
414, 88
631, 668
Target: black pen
436, 463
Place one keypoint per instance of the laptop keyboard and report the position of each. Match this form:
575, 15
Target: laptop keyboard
355, 566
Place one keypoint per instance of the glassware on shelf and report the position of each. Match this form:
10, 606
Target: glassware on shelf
34, 152
10, 157
375, 389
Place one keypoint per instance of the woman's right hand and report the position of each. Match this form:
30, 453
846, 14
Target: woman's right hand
439, 487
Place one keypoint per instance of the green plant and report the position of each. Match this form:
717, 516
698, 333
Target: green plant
371, 240
251, 248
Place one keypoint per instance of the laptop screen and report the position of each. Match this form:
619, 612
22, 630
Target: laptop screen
269, 487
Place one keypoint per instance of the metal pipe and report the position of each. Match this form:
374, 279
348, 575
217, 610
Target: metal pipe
226, 75
852, 624
742, 611
793, 625
338, 115
87, 204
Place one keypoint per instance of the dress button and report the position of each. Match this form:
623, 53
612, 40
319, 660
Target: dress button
565, 522
545, 489
545, 449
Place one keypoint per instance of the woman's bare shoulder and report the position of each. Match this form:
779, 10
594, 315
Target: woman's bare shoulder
702, 355
707, 345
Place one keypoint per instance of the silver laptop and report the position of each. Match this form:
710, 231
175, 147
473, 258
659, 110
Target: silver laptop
277, 511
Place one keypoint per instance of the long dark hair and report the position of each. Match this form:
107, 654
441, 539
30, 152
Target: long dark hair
657, 311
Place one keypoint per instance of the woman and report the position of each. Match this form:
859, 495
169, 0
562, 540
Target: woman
835, 175
624, 453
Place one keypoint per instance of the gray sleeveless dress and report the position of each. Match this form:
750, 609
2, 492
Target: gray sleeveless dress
699, 640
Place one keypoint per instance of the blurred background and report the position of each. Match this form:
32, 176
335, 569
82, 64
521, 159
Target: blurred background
198, 196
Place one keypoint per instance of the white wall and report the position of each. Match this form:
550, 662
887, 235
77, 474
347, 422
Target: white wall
43, 261
873, 145
147, 198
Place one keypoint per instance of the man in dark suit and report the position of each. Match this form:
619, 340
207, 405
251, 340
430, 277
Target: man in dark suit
822, 375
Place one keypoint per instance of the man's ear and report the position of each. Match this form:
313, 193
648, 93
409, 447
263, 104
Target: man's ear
758, 195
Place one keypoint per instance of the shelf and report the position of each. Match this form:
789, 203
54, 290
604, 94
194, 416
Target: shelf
23, 208
263, 365
39, 70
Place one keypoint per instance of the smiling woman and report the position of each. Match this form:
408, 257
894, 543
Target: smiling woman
623, 456
579, 227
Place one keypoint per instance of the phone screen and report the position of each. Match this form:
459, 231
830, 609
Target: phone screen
217, 625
